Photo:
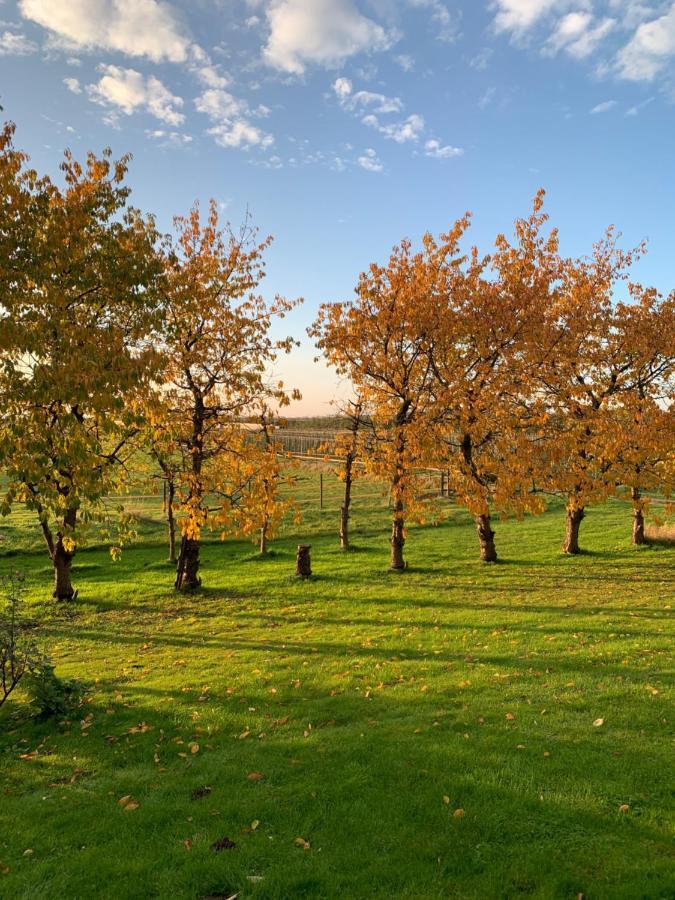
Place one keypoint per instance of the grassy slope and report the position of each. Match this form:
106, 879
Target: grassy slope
453, 686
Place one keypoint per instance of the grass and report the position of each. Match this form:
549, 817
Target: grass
370, 708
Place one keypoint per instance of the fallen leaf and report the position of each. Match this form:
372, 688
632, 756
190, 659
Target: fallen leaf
255, 776
198, 793
194, 748
624, 808
510, 717
598, 723
458, 813
187, 843
128, 803
254, 824
301, 842
446, 799
223, 844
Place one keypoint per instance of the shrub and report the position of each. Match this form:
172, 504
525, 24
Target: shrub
17, 652
21, 659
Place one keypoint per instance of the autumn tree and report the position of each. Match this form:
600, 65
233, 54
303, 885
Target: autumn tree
602, 364
218, 351
640, 446
379, 341
486, 416
265, 470
77, 301
348, 447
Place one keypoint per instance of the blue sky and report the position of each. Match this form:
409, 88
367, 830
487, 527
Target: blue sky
345, 125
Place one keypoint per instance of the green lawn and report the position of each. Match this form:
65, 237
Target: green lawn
421, 735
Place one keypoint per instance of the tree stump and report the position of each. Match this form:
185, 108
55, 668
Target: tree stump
303, 563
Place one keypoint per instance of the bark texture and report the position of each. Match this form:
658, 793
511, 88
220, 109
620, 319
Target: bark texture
170, 521
187, 568
397, 539
638, 518
62, 559
575, 516
486, 539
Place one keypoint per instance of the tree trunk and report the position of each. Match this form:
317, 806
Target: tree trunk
263, 539
61, 558
397, 538
344, 528
346, 503
187, 568
170, 521
575, 516
303, 562
638, 518
397, 491
486, 538
62, 561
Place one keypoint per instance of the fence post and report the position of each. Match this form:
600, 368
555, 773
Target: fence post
321, 489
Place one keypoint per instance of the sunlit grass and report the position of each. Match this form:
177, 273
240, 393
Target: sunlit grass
375, 706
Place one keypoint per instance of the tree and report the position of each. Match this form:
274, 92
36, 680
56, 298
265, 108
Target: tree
262, 507
347, 449
217, 352
485, 414
601, 370
379, 341
640, 446
77, 303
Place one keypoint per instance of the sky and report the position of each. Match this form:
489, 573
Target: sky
344, 126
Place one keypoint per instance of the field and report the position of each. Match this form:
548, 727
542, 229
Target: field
457, 731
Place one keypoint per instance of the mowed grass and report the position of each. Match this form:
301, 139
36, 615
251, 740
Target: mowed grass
421, 735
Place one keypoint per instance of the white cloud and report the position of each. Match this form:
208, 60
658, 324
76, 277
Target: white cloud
169, 138
232, 127
379, 103
342, 88
603, 107
325, 32
127, 91
409, 129
135, 27
518, 16
210, 76
405, 61
240, 134
219, 104
649, 50
370, 161
436, 150
73, 85
632, 12
446, 24
577, 35
12, 44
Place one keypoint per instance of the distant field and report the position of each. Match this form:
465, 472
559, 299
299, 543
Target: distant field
456, 731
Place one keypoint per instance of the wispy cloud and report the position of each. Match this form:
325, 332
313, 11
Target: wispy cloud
603, 107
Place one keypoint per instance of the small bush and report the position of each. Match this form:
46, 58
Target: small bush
22, 661
51, 695
17, 652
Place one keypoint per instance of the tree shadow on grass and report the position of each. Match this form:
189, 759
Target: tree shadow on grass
366, 789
